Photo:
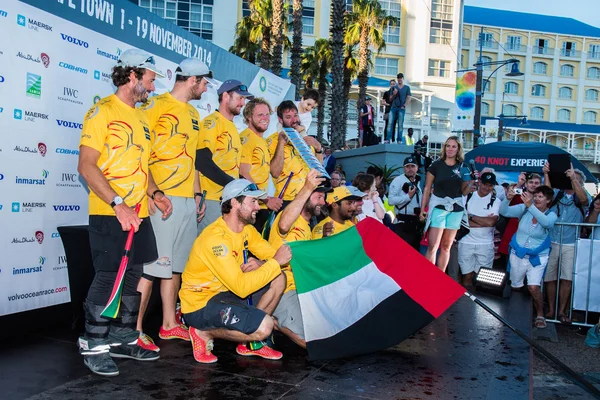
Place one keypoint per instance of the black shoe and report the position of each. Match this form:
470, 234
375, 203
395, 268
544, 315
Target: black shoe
97, 359
132, 350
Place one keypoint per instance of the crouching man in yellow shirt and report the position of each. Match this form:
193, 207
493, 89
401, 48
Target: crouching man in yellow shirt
219, 277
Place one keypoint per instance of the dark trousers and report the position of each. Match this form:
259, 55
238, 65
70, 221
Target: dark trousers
409, 228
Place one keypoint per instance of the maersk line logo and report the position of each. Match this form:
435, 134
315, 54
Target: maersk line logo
34, 86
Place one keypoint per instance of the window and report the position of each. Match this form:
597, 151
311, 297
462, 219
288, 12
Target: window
486, 59
386, 66
593, 73
487, 39
591, 95
166, 9
590, 117
568, 49
537, 113
538, 91
509, 110
440, 68
308, 17
393, 8
594, 51
511, 88
540, 46
392, 34
540, 68
567, 70
485, 109
565, 93
441, 23
564, 115
349, 5
513, 43
486, 85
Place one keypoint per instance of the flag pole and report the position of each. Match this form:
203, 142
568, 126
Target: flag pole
267, 228
577, 377
114, 302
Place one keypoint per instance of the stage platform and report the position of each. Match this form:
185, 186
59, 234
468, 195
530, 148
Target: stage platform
465, 354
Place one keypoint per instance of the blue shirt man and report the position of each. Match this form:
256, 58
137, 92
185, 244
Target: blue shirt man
400, 99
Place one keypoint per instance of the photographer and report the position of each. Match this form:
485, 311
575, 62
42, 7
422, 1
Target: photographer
406, 195
530, 245
476, 249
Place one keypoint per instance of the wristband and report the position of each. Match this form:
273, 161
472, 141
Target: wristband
319, 152
156, 191
198, 195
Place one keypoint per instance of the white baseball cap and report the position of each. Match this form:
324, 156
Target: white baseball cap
241, 187
139, 59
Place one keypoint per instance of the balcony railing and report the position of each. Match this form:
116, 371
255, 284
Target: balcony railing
594, 55
515, 47
570, 53
466, 42
542, 50
488, 44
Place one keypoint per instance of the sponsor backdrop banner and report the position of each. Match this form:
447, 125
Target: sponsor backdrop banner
55, 65
464, 110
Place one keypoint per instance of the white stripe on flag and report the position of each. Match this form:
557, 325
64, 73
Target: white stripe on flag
332, 308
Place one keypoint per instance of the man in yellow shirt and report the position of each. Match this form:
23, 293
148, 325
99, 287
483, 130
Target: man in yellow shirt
113, 159
285, 159
344, 202
291, 225
256, 158
219, 277
174, 127
219, 148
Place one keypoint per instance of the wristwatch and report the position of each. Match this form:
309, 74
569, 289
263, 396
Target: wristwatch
116, 201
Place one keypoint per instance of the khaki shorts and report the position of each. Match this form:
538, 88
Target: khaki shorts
471, 257
521, 268
567, 261
212, 213
288, 313
175, 237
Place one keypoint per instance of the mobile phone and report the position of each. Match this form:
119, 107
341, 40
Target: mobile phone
518, 191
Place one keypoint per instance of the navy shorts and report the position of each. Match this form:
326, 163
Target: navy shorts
228, 311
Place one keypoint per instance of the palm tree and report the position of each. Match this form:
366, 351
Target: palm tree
295, 72
316, 62
339, 103
243, 46
350, 73
366, 24
253, 34
277, 34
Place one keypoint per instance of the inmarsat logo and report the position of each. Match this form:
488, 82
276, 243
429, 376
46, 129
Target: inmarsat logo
106, 54
33, 181
30, 270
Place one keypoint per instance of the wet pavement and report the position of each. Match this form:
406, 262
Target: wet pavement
464, 354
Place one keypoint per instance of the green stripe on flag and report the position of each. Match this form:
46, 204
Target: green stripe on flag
341, 254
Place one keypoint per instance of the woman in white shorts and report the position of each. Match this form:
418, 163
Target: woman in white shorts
530, 245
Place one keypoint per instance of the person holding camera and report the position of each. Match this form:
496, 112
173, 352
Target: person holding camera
448, 180
476, 249
405, 195
530, 245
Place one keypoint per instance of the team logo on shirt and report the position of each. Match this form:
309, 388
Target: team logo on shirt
208, 123
243, 139
91, 113
220, 250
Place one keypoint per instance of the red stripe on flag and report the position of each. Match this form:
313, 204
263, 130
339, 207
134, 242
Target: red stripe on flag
420, 279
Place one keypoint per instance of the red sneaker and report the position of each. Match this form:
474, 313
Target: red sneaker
146, 342
264, 352
202, 350
179, 332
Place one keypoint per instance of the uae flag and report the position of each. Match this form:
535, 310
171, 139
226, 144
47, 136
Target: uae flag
365, 290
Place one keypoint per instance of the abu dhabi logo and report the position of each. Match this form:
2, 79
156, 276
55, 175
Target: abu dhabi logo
39, 237
113, 56
33, 181
29, 116
28, 57
34, 86
45, 59
41, 149
32, 23
103, 76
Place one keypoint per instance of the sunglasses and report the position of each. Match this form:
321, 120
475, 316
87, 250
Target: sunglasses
149, 60
242, 88
209, 75
250, 188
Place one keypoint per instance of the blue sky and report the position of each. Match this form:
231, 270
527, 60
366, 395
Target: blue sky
582, 10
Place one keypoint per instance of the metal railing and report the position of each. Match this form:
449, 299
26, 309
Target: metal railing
587, 283
515, 47
570, 53
542, 50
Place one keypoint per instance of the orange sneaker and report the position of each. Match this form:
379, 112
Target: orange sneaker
202, 350
264, 352
146, 342
179, 332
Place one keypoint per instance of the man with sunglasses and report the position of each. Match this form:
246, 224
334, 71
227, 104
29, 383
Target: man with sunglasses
219, 276
174, 127
343, 204
113, 159
219, 151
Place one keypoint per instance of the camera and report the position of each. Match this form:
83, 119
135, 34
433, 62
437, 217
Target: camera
518, 191
407, 186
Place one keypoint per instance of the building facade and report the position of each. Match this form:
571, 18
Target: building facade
560, 59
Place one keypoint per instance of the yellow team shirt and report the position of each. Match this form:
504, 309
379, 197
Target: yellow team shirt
221, 137
292, 162
122, 136
174, 127
214, 265
300, 230
255, 152
317, 232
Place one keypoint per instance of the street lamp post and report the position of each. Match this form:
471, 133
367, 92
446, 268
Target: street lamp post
480, 90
